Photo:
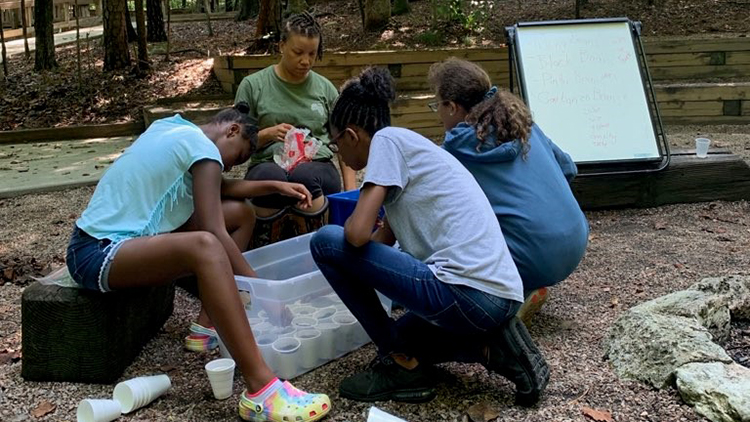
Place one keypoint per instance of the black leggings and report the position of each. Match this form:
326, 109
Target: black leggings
319, 177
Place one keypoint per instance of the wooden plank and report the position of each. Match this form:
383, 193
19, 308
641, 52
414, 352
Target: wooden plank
70, 132
706, 120
700, 72
692, 45
702, 92
228, 87
679, 59
738, 57
703, 108
416, 120
224, 75
682, 182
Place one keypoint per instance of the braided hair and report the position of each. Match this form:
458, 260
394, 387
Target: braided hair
365, 101
239, 114
303, 24
468, 85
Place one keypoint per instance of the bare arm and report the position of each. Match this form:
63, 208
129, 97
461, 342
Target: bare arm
349, 175
384, 234
242, 189
208, 213
358, 227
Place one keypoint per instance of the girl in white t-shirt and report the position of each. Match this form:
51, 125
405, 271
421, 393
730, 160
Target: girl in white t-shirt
455, 274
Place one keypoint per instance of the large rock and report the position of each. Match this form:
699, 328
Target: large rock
649, 347
736, 290
719, 392
710, 310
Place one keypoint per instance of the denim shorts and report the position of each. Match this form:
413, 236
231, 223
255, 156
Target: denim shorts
89, 259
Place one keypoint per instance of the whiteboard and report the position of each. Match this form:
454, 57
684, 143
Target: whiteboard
583, 84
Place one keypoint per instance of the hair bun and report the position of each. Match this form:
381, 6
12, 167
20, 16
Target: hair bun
243, 107
377, 84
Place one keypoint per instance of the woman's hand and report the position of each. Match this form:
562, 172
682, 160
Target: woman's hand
296, 190
274, 133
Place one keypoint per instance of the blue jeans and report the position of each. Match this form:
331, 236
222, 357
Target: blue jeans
445, 322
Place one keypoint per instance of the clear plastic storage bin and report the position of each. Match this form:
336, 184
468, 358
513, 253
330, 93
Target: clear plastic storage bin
298, 321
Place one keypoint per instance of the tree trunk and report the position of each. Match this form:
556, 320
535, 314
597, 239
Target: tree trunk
116, 53
377, 14
140, 19
206, 7
78, 48
269, 19
248, 9
4, 56
132, 35
24, 24
155, 18
44, 55
168, 7
184, 4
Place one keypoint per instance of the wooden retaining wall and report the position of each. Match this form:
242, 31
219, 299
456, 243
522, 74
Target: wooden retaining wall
676, 67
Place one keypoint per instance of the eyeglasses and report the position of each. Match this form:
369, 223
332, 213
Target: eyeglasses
333, 143
433, 106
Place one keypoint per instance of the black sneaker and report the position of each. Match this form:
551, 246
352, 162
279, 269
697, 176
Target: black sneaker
514, 355
387, 380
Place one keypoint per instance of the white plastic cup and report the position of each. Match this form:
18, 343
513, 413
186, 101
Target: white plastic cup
221, 375
377, 415
303, 310
138, 392
98, 410
286, 331
303, 322
345, 340
264, 342
328, 332
322, 302
325, 314
701, 147
309, 339
262, 327
287, 356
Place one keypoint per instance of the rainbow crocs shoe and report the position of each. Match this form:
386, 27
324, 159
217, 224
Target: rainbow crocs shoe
285, 404
201, 339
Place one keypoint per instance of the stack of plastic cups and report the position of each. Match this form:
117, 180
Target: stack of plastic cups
328, 332
96, 410
325, 314
221, 375
265, 342
138, 392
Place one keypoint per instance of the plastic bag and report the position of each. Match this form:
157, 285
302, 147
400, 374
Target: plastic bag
298, 148
60, 277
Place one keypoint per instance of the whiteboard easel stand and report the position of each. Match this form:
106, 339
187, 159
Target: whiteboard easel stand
515, 72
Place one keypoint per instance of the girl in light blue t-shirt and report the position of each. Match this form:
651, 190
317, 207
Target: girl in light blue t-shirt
157, 214
453, 274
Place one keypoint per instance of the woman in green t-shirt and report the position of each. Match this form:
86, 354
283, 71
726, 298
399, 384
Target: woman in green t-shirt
283, 96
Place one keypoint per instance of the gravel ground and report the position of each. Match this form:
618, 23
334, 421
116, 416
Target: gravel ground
633, 256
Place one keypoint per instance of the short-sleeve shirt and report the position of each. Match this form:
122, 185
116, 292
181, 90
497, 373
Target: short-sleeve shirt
274, 101
148, 190
440, 215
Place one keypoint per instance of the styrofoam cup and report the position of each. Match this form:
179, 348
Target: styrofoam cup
138, 392
701, 147
221, 375
98, 410
377, 415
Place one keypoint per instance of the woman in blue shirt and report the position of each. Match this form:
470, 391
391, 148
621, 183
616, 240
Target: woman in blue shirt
157, 214
523, 173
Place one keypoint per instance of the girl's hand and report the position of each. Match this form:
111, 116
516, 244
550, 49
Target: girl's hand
296, 190
276, 133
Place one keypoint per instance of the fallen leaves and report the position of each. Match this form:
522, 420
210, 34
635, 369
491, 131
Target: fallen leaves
482, 412
597, 415
9, 356
42, 409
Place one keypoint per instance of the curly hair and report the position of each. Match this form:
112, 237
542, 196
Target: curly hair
365, 101
303, 24
468, 85
239, 114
